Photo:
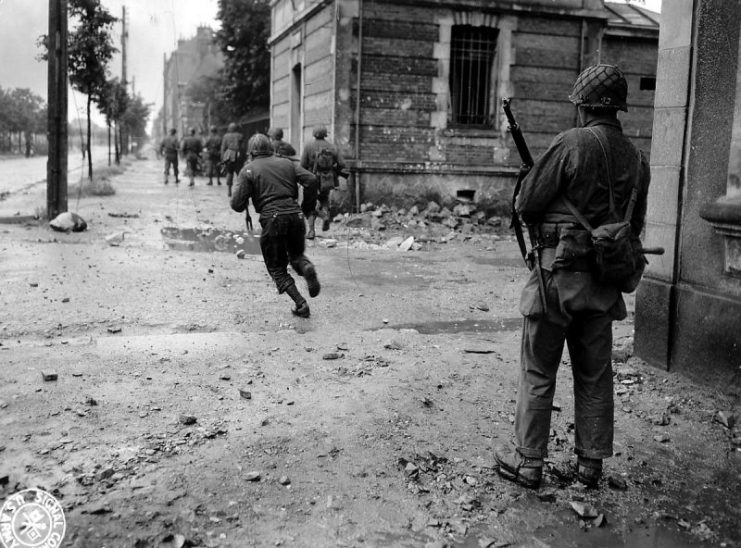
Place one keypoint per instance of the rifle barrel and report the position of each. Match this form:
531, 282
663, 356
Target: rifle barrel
653, 250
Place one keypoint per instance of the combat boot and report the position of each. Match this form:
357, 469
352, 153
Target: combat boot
302, 308
310, 235
312, 281
588, 471
515, 467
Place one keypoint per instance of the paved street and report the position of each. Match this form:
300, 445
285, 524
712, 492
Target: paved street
192, 409
19, 172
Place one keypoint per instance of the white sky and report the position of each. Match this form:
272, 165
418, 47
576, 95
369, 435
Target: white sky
154, 28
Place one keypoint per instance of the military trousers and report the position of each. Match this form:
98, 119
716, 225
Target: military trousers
282, 243
588, 335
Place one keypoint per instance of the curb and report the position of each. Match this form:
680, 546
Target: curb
17, 218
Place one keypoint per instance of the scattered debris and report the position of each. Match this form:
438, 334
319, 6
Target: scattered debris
407, 244
393, 345
123, 215
114, 330
115, 239
241, 254
284, 480
252, 476
479, 349
331, 356
726, 419
617, 483
245, 394
187, 419
584, 510
661, 438
49, 376
68, 222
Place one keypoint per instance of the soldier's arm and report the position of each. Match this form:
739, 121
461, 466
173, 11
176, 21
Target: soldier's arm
543, 183
304, 177
243, 190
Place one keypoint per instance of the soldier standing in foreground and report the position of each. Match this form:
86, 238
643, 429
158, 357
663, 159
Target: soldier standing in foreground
213, 150
324, 159
272, 183
590, 172
232, 154
169, 149
192, 147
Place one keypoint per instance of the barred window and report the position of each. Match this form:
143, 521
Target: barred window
472, 51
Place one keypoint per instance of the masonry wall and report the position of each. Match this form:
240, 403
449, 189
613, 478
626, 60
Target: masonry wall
687, 309
637, 58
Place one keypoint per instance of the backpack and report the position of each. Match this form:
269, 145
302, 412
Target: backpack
324, 163
617, 257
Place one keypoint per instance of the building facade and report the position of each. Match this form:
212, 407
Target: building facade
688, 307
194, 58
411, 89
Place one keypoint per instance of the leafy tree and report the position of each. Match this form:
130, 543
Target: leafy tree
90, 49
113, 102
135, 117
243, 38
21, 112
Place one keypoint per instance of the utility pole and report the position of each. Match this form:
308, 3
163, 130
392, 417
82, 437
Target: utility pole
164, 98
124, 39
56, 164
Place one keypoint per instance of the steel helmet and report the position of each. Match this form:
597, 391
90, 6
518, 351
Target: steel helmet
259, 144
320, 132
601, 86
231, 127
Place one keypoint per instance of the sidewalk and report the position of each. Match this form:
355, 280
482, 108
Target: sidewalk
192, 409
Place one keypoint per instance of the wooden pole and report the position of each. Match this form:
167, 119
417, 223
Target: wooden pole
56, 165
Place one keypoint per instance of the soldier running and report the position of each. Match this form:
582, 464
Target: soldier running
272, 184
581, 170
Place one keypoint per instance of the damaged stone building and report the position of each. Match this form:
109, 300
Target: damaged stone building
194, 58
410, 90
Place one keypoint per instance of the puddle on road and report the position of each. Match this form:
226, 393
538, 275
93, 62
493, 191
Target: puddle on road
461, 326
210, 239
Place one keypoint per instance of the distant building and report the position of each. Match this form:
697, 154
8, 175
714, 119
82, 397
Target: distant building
688, 306
411, 89
194, 58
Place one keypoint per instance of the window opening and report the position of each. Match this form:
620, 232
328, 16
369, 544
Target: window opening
472, 51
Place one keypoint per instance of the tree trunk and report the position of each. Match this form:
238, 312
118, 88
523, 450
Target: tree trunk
117, 141
89, 135
109, 143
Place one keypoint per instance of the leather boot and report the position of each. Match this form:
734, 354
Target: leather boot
302, 308
588, 471
312, 281
310, 235
515, 467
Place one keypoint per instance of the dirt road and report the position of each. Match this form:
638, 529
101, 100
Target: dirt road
192, 409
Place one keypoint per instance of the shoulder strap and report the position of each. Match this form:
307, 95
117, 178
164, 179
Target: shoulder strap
604, 145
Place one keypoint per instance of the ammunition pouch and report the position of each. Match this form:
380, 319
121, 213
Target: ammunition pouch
566, 246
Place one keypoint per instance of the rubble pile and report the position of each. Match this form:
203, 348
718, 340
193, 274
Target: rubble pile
433, 224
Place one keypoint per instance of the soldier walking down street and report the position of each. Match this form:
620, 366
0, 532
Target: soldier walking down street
324, 159
192, 147
280, 147
589, 176
213, 151
169, 149
232, 154
272, 184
